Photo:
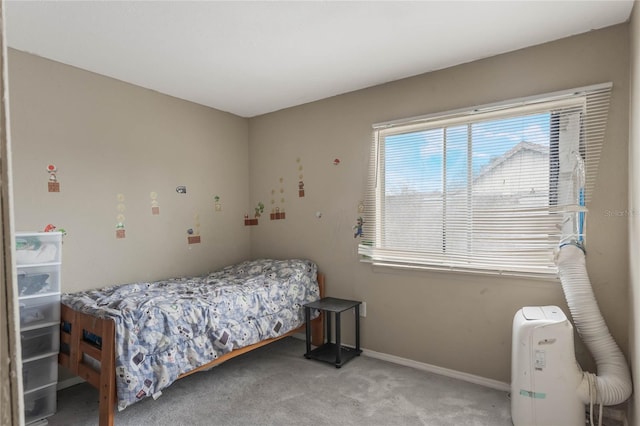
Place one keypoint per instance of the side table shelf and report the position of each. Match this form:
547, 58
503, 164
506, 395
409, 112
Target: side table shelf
333, 353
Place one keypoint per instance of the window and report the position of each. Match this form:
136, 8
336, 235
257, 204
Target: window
493, 189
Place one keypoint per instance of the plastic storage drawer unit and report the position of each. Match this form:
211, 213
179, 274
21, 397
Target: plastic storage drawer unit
39, 311
35, 280
37, 248
38, 257
40, 372
39, 403
40, 341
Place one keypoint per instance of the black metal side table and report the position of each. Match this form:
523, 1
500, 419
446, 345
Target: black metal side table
333, 353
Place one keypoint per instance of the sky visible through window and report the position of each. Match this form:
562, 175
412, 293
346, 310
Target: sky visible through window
414, 161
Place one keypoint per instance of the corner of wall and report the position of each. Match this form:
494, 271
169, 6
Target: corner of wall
634, 209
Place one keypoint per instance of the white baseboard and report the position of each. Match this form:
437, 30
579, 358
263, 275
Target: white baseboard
72, 381
470, 378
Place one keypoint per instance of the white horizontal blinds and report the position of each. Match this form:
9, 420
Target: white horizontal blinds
412, 215
512, 226
486, 189
593, 131
373, 207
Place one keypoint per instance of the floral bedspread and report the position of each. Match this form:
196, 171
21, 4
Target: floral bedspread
167, 328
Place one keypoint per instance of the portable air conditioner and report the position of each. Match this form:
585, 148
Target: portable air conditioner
544, 373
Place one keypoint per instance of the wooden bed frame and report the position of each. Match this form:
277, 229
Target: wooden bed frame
74, 324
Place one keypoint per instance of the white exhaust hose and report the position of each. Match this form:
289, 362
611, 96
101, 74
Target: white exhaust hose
612, 385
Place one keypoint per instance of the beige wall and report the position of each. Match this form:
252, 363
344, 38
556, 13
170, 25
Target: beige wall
107, 138
634, 207
460, 322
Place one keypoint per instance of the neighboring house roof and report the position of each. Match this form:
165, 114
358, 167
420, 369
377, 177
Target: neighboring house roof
522, 146
494, 164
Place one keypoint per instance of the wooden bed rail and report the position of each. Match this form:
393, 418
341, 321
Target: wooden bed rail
87, 349
82, 352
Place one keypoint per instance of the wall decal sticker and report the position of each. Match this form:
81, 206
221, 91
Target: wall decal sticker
193, 234
361, 207
259, 210
181, 189
358, 228
277, 213
120, 207
257, 213
155, 208
53, 185
192, 239
217, 204
52, 228
336, 162
300, 179
250, 222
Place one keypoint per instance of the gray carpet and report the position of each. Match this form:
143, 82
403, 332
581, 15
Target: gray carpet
276, 385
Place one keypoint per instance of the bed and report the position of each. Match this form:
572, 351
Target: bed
132, 341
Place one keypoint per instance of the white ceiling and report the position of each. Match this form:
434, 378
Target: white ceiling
251, 58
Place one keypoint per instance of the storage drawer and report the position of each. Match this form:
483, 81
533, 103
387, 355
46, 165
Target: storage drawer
40, 372
38, 280
39, 310
42, 247
40, 341
39, 404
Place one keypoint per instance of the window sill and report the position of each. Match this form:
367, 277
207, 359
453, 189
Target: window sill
398, 268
